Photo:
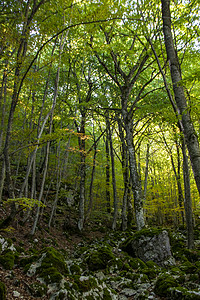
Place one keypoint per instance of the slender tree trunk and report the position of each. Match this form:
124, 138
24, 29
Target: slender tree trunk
2, 178
188, 200
125, 172
58, 182
29, 14
146, 172
82, 171
115, 200
3, 96
183, 111
178, 179
91, 182
136, 183
82, 189
108, 205
62, 42
33, 190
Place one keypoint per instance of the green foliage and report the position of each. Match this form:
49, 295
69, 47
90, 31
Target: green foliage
25, 202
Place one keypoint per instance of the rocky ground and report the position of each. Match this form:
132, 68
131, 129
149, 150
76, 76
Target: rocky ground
96, 264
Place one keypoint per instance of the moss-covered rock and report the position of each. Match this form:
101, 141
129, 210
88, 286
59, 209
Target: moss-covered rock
2, 291
137, 263
150, 244
75, 269
188, 267
151, 270
182, 293
7, 259
38, 289
100, 258
24, 261
84, 283
50, 275
53, 258
164, 283
107, 295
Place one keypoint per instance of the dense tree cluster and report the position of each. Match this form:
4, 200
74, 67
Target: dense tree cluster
100, 110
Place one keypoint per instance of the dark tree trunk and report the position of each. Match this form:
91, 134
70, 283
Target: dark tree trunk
108, 206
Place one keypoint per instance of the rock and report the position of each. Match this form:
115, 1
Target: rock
128, 292
150, 244
16, 294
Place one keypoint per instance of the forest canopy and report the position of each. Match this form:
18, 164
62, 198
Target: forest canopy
99, 111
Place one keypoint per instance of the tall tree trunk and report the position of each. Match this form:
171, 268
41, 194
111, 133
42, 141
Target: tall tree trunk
58, 182
188, 128
125, 173
146, 171
92, 180
108, 204
82, 171
136, 183
115, 200
29, 14
178, 179
41, 189
188, 200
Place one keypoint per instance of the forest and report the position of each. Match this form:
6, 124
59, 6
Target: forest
100, 120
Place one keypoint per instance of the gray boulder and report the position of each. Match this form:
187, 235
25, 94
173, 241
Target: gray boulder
150, 244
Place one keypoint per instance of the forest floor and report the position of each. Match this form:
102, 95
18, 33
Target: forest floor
18, 282
124, 275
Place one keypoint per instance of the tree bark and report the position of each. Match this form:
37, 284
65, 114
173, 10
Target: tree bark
188, 200
183, 109
125, 173
136, 183
108, 205
115, 200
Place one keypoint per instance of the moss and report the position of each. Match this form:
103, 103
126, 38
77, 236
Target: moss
107, 295
55, 259
75, 269
19, 249
89, 297
50, 275
163, 283
27, 260
139, 278
194, 277
2, 291
188, 267
147, 232
137, 263
84, 284
192, 255
99, 259
38, 289
7, 259
183, 293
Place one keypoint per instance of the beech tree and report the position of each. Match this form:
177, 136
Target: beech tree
83, 101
